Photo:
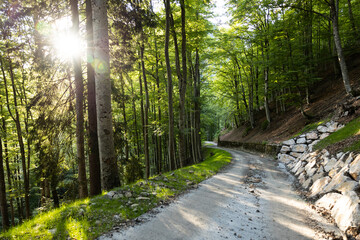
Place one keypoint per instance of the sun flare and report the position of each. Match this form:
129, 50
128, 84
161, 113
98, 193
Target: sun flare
65, 43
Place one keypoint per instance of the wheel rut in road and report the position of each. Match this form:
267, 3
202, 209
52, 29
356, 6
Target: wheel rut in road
252, 198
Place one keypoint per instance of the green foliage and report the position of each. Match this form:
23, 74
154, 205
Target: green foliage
89, 218
351, 129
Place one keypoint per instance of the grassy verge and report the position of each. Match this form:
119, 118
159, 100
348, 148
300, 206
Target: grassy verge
89, 218
350, 130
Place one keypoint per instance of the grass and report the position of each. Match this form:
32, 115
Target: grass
351, 129
90, 218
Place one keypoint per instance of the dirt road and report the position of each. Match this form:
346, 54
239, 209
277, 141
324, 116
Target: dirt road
253, 198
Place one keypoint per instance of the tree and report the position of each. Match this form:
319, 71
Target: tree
109, 168
3, 201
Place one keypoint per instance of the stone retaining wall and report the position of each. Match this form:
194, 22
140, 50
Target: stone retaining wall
332, 181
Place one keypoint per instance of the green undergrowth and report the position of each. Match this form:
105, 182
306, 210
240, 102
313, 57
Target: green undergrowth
350, 130
312, 126
91, 217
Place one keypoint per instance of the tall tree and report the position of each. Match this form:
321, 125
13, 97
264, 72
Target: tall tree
3, 202
109, 168
94, 159
79, 90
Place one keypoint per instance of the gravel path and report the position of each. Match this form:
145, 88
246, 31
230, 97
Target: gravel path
253, 198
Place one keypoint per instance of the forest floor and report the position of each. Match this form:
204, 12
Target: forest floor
252, 198
325, 96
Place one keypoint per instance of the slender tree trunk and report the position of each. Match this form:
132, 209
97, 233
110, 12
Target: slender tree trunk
197, 84
93, 144
182, 89
352, 22
16, 119
122, 82
159, 145
334, 9
146, 115
79, 105
3, 201
109, 168
171, 148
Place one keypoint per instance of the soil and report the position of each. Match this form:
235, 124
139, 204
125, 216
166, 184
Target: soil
326, 97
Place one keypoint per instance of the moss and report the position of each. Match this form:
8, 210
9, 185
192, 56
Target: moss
89, 218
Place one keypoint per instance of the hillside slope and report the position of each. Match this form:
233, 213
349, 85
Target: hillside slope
328, 99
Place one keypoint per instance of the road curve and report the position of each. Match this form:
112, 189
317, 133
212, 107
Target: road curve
253, 198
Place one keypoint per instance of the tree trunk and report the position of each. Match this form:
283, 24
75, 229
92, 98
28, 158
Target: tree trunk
3, 201
109, 168
171, 148
159, 145
352, 22
146, 118
93, 144
182, 90
16, 119
334, 9
197, 106
79, 105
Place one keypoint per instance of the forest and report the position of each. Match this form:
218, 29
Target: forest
95, 94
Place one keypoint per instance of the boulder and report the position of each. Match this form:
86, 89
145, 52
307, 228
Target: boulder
319, 186
325, 153
299, 171
289, 142
142, 198
307, 183
322, 129
328, 200
312, 136
296, 167
301, 140
338, 180
318, 176
347, 187
332, 126
354, 170
330, 164
284, 158
349, 159
310, 165
311, 146
295, 154
285, 149
339, 155
346, 211
311, 172
302, 178
300, 148
324, 135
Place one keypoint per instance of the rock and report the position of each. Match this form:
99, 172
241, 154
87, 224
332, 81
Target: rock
311, 146
142, 198
319, 186
285, 149
310, 165
318, 176
284, 158
302, 178
330, 164
165, 179
346, 211
322, 129
307, 183
117, 217
128, 194
289, 142
325, 153
338, 180
134, 205
296, 167
311, 172
110, 194
347, 187
191, 171
354, 170
52, 231
328, 200
299, 171
324, 135
301, 140
98, 222
339, 155
299, 148
295, 154
145, 194
189, 183
332, 126
309, 141
349, 159
312, 136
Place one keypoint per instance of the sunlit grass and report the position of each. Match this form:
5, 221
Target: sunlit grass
351, 129
312, 126
89, 218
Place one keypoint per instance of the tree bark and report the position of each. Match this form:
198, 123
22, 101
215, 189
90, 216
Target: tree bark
182, 90
3, 201
334, 10
93, 144
146, 113
171, 148
79, 105
109, 168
